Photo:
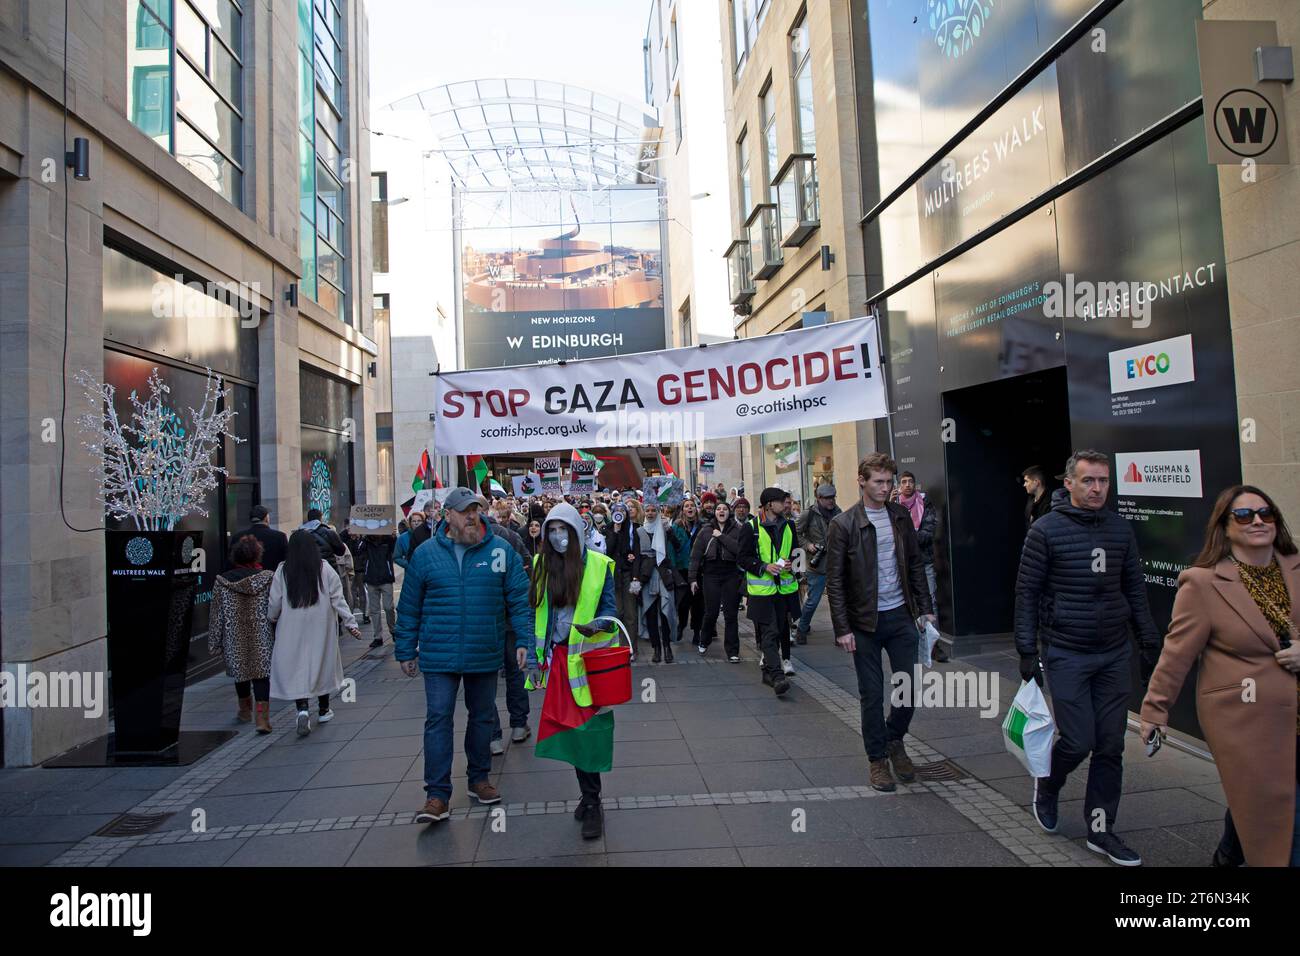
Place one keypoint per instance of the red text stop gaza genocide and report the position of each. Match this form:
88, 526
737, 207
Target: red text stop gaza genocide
674, 388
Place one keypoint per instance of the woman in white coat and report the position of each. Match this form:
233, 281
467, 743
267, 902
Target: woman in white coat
306, 605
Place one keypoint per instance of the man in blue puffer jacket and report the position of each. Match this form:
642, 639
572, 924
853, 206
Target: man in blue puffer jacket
1080, 589
461, 587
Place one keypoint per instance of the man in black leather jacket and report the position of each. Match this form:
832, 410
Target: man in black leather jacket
1080, 588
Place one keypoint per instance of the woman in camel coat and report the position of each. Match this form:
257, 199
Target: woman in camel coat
1246, 689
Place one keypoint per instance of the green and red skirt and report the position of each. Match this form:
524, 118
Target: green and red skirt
581, 736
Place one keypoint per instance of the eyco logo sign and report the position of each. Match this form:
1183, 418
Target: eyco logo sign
1167, 362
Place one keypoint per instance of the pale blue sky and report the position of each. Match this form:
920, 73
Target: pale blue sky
416, 44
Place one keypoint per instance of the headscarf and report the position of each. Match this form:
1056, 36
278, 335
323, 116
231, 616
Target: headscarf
915, 505
658, 540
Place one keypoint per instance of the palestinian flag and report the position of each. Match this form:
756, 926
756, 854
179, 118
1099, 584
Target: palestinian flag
581, 736
477, 469
663, 463
580, 455
421, 480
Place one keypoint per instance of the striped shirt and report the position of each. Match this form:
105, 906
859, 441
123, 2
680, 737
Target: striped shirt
889, 586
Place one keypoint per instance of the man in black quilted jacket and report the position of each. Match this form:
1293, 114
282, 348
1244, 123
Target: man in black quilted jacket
1079, 589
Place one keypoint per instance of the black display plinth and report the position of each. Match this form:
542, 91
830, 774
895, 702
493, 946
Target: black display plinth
151, 589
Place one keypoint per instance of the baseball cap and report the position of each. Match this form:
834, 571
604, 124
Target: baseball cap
462, 498
826, 491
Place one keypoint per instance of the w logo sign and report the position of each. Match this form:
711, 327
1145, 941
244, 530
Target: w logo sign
1245, 123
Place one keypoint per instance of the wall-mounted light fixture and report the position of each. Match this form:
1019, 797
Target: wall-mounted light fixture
827, 258
78, 158
291, 294
373, 369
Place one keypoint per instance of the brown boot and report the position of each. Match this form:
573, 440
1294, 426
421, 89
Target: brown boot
881, 778
484, 792
902, 763
245, 710
263, 716
434, 809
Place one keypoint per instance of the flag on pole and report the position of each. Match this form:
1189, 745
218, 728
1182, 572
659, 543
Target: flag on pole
663, 463
477, 469
421, 480
580, 455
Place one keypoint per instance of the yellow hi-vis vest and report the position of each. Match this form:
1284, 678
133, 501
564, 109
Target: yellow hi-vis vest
593, 583
763, 585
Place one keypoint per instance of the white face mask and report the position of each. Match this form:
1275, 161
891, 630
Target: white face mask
559, 538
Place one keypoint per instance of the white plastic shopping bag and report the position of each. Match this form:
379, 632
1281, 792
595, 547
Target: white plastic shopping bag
1028, 728
926, 639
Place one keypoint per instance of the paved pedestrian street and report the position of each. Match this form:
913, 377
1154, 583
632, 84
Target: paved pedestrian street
714, 770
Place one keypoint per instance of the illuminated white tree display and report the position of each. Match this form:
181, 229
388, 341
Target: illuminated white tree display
155, 469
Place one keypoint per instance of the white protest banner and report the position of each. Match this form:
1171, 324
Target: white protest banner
422, 498
525, 486
818, 376
548, 469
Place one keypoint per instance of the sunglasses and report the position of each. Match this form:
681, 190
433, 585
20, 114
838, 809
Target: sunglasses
1247, 515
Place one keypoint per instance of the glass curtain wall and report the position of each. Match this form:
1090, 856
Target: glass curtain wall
321, 155
185, 85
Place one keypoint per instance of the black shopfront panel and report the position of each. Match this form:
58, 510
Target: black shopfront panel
1158, 396
151, 324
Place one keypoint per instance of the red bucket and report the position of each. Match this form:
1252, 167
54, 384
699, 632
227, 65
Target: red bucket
609, 675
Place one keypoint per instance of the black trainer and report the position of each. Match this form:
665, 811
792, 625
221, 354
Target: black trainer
1114, 848
1045, 808
780, 686
593, 823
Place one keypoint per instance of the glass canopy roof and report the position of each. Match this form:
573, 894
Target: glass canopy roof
535, 134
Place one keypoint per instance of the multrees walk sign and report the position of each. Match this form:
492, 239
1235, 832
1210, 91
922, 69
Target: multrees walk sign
799, 379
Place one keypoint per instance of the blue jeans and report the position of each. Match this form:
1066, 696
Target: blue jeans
816, 586
480, 701
516, 695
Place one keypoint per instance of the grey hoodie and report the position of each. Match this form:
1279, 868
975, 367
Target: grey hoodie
568, 514
565, 513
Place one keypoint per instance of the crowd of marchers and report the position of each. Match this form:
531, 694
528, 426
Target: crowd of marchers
522, 589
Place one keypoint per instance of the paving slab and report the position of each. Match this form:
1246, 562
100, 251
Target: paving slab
704, 858
941, 850
669, 828
753, 775
434, 844
336, 802
322, 849
535, 837
785, 824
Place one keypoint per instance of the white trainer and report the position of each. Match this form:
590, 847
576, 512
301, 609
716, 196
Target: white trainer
787, 667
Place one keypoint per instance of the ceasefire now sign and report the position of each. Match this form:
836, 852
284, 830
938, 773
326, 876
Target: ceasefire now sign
801, 379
